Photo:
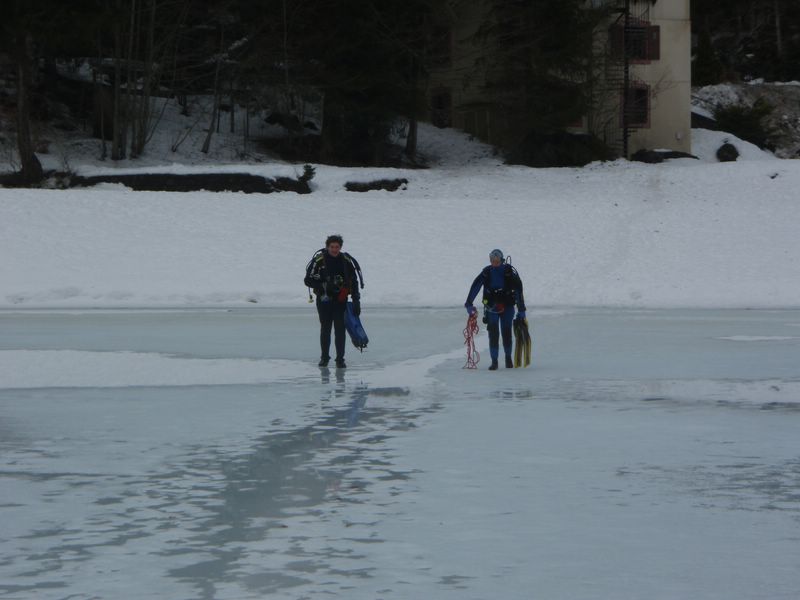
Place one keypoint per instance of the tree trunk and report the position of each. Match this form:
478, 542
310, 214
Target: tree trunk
233, 107
130, 81
411, 139
141, 120
778, 35
211, 126
328, 132
117, 145
246, 125
99, 101
31, 167
215, 111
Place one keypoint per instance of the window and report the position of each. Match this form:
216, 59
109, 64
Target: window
641, 42
637, 105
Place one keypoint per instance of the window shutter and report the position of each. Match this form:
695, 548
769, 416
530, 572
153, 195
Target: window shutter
654, 42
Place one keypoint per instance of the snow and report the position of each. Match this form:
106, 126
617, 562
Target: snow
711, 96
706, 142
703, 112
685, 233
760, 81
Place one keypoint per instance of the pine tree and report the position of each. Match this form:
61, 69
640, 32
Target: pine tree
706, 67
363, 56
536, 60
754, 38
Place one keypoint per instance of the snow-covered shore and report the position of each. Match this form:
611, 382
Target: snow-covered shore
685, 233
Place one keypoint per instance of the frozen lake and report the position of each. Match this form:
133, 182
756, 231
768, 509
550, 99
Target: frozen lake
201, 454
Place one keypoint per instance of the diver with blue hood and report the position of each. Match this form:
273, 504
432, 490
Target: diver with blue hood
502, 290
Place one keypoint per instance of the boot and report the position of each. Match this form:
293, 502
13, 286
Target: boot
323, 362
493, 366
340, 364
509, 363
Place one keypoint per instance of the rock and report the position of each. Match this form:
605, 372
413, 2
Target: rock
727, 153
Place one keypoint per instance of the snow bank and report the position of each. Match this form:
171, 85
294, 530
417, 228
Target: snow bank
683, 233
706, 142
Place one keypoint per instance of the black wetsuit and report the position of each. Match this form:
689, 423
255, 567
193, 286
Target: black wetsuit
332, 280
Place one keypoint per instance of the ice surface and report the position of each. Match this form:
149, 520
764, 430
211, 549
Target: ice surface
646, 454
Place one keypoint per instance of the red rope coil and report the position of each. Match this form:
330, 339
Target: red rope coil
473, 357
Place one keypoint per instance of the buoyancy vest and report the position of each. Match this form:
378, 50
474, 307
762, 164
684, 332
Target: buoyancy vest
510, 292
322, 281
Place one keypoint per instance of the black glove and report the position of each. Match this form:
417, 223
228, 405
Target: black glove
357, 308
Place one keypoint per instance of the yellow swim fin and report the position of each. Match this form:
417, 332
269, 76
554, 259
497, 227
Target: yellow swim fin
522, 343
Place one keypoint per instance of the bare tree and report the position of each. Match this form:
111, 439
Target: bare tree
215, 108
143, 39
779, 50
117, 141
31, 171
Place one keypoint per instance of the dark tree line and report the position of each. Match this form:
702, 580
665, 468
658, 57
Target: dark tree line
364, 59
742, 39
31, 31
364, 62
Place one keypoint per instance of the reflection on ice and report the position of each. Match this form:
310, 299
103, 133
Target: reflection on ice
216, 512
325, 375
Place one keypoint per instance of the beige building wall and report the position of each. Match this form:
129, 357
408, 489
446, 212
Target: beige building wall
670, 81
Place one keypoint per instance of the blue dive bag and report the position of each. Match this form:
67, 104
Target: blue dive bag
354, 328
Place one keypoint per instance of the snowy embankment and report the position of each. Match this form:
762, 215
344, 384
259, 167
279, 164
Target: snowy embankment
683, 233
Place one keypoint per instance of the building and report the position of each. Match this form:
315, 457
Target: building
641, 98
